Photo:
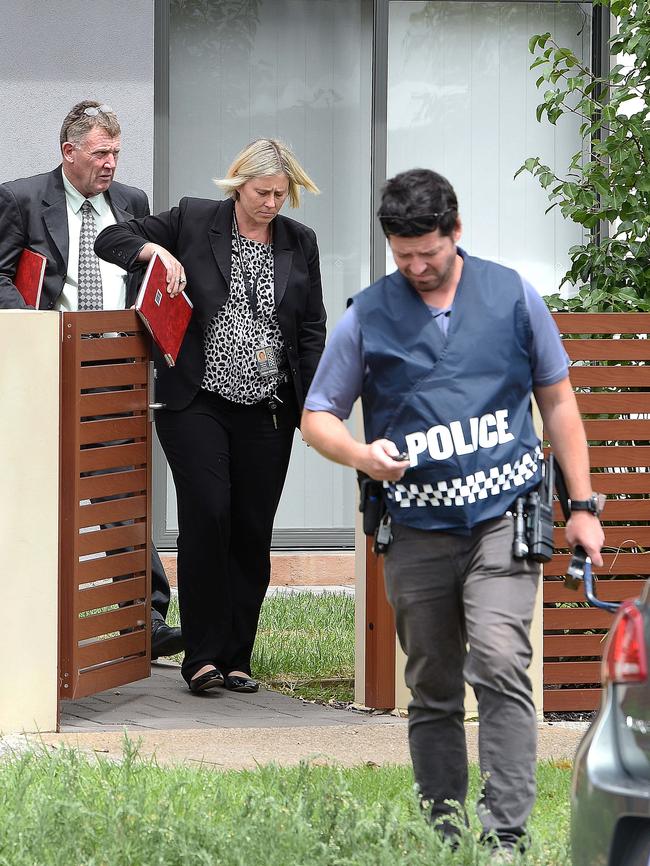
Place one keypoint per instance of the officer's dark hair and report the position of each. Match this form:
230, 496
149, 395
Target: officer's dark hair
417, 202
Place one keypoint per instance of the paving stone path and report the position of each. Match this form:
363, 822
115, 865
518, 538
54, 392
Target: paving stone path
226, 730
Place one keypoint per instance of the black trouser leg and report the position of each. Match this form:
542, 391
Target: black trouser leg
228, 463
160, 592
196, 447
259, 461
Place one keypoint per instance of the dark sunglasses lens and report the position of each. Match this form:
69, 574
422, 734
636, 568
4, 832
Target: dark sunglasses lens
390, 226
412, 225
429, 224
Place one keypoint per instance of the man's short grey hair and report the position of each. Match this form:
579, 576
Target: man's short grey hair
77, 124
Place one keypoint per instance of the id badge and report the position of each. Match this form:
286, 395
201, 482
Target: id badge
267, 364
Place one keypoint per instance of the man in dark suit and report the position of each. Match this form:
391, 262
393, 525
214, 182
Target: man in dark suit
58, 214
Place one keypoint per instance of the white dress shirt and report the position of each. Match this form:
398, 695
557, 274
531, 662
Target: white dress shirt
113, 277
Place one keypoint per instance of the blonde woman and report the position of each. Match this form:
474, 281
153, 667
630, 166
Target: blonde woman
235, 396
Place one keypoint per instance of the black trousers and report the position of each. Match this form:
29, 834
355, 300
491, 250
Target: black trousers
160, 592
229, 463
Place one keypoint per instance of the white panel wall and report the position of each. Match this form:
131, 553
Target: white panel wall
299, 71
462, 102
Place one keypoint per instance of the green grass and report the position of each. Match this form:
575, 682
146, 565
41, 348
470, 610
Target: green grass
61, 809
305, 645
304, 639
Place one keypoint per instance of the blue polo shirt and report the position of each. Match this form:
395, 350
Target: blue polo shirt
338, 382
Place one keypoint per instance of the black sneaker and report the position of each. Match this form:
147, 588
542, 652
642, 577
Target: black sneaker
505, 844
449, 822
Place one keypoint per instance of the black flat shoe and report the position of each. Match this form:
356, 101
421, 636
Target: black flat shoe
240, 684
210, 680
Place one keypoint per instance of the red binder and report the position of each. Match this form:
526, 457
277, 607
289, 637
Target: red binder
165, 318
29, 276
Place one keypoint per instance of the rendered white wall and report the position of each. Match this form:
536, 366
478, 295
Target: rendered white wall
30, 343
53, 55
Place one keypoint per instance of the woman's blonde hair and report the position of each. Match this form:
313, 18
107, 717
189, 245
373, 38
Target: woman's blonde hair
264, 157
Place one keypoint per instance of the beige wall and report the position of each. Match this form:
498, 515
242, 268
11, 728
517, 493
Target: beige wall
29, 519
52, 56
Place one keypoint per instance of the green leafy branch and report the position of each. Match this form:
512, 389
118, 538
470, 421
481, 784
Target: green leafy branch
607, 181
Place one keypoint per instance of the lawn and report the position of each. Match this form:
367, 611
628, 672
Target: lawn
305, 644
62, 809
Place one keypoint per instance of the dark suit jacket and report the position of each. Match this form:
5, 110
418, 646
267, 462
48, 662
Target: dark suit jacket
33, 214
198, 233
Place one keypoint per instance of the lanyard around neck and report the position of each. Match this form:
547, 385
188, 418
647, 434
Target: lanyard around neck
250, 287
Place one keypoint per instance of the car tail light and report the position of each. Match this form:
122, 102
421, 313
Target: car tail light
625, 659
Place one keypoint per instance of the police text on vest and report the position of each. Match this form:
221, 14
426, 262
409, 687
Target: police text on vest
460, 437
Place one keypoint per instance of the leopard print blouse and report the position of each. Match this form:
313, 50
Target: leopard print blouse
233, 335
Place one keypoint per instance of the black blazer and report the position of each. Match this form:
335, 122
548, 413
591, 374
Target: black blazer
33, 214
199, 234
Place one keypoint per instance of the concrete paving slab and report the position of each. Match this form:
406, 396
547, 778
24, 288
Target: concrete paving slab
250, 747
230, 731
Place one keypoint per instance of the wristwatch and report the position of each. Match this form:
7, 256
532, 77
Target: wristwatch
594, 505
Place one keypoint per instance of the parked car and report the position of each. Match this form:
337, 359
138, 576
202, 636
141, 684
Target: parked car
610, 798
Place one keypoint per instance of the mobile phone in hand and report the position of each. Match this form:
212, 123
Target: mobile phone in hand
401, 458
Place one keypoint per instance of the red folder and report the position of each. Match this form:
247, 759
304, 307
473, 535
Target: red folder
166, 318
29, 276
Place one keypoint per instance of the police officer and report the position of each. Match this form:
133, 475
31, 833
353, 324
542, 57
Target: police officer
445, 353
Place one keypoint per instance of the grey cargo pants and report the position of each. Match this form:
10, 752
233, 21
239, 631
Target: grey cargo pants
463, 608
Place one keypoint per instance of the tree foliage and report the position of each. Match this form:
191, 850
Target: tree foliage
608, 179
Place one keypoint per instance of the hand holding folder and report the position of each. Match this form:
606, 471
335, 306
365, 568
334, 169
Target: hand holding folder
29, 276
165, 318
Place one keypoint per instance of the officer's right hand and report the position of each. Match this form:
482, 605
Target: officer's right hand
377, 461
586, 530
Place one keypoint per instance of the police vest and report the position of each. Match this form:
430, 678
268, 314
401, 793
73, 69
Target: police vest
460, 405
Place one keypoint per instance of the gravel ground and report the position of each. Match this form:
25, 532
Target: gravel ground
346, 745
14, 744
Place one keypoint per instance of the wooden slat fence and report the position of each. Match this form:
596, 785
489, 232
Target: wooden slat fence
105, 487
610, 373
380, 637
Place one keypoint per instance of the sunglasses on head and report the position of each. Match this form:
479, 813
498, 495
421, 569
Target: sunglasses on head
425, 222
94, 110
